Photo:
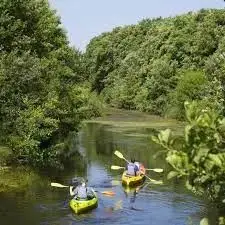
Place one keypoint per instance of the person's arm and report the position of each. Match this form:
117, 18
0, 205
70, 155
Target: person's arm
73, 192
89, 191
135, 169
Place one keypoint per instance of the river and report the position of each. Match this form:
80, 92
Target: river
128, 132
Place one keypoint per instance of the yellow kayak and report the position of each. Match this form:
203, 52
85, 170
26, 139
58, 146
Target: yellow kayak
128, 180
81, 206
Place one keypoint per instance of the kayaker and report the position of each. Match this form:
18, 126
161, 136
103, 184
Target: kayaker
132, 168
81, 192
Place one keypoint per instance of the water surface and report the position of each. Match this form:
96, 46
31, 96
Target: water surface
169, 203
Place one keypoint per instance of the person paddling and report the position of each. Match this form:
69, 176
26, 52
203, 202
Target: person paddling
132, 168
81, 192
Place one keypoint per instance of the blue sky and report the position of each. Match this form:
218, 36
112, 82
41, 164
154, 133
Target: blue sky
85, 19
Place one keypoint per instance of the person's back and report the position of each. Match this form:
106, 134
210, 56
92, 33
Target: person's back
132, 168
80, 192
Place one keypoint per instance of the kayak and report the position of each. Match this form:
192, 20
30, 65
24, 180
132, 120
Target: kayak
129, 180
82, 206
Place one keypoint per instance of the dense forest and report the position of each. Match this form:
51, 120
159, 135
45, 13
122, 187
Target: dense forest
156, 65
43, 93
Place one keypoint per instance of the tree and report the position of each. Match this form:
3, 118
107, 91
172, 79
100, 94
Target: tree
43, 97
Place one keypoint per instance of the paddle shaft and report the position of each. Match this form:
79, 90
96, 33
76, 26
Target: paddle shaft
65, 186
152, 180
157, 170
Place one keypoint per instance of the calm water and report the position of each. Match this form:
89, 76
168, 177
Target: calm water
163, 204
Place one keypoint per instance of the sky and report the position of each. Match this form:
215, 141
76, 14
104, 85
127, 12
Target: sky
85, 19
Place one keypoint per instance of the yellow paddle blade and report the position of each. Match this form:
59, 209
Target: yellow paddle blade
58, 185
119, 154
157, 181
157, 170
108, 193
117, 167
154, 181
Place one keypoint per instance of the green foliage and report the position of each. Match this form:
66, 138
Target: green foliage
156, 65
31, 26
192, 85
42, 94
201, 156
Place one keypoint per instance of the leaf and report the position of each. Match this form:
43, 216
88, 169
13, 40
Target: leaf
200, 153
205, 178
187, 132
172, 174
178, 160
204, 120
204, 221
217, 137
222, 122
217, 159
155, 139
187, 110
164, 135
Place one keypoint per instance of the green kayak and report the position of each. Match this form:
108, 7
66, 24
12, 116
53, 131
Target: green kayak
82, 206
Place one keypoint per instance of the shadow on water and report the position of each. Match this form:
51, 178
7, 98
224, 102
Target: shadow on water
169, 203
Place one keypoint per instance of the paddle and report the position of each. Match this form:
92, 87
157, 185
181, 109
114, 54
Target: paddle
120, 155
117, 167
109, 193
157, 170
58, 185
154, 181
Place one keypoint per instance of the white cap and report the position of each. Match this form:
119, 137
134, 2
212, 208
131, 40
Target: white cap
83, 184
